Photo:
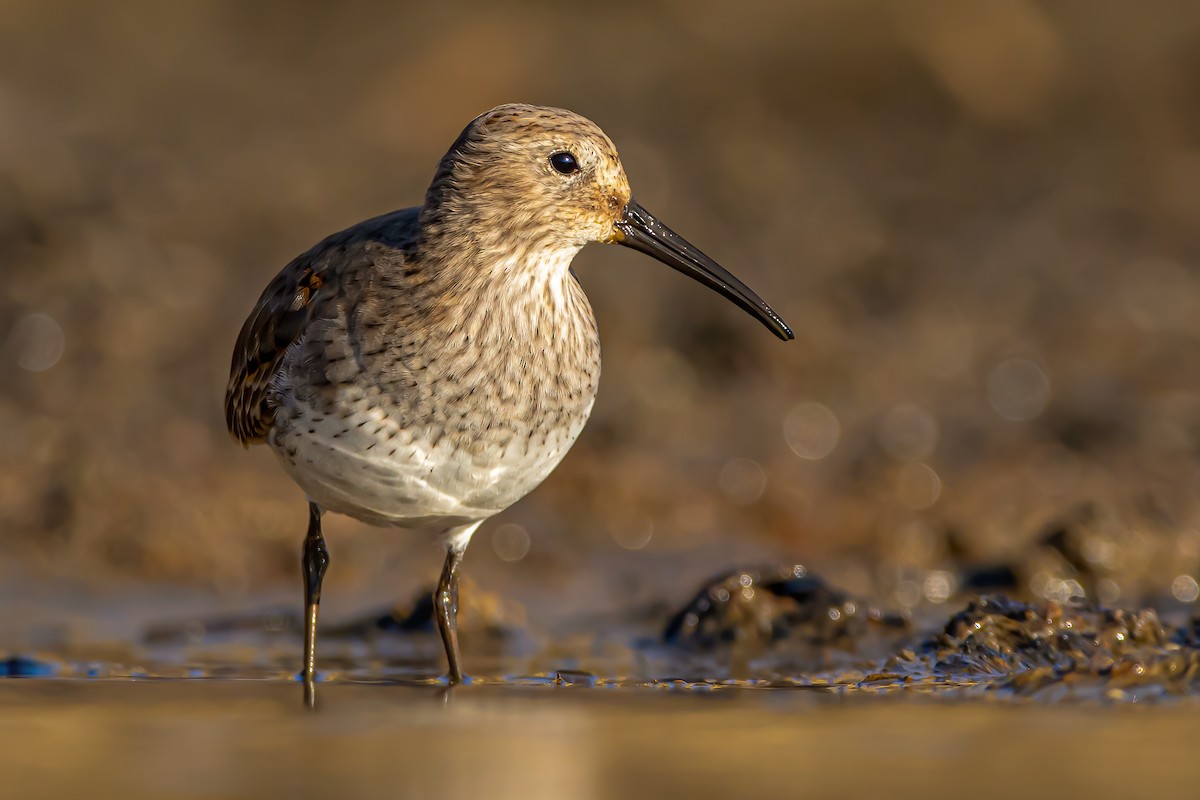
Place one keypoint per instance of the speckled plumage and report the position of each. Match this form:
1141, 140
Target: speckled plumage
388, 391
429, 367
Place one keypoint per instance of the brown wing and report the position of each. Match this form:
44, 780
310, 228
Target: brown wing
283, 312
311, 287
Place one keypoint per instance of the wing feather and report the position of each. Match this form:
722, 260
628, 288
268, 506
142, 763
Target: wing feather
312, 287
290, 302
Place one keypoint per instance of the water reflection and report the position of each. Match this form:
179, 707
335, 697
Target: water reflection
811, 430
743, 481
917, 486
36, 342
908, 433
1018, 389
170, 740
510, 541
1185, 589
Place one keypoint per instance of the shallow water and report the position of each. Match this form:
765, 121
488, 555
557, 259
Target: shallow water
217, 738
174, 696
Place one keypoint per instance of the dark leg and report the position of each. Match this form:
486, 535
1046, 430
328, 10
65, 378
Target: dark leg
445, 604
315, 560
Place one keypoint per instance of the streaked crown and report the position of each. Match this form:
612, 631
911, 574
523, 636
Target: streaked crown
533, 171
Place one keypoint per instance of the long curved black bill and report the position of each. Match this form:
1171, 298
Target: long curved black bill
644, 233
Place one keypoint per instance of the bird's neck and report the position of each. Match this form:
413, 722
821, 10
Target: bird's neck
499, 279
471, 246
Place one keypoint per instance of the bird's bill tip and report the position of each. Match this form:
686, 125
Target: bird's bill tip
639, 230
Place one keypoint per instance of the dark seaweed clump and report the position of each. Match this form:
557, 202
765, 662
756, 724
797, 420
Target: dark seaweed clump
771, 605
1027, 647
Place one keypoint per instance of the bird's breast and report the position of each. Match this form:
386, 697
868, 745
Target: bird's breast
524, 365
464, 420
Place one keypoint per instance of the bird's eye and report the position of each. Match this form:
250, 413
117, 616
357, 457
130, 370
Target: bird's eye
564, 163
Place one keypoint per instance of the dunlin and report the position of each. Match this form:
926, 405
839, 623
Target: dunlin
427, 368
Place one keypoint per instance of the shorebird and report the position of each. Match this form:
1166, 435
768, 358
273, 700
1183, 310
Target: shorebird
429, 367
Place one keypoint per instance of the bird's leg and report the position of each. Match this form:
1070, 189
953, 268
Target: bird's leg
314, 561
445, 599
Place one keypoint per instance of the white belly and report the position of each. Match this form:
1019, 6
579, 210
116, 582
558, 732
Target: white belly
368, 468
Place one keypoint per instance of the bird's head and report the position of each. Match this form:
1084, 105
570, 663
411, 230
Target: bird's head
553, 181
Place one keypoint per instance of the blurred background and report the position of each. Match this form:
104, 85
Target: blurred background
982, 220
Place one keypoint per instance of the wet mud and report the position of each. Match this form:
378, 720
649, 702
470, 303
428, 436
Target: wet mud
786, 685
781, 627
